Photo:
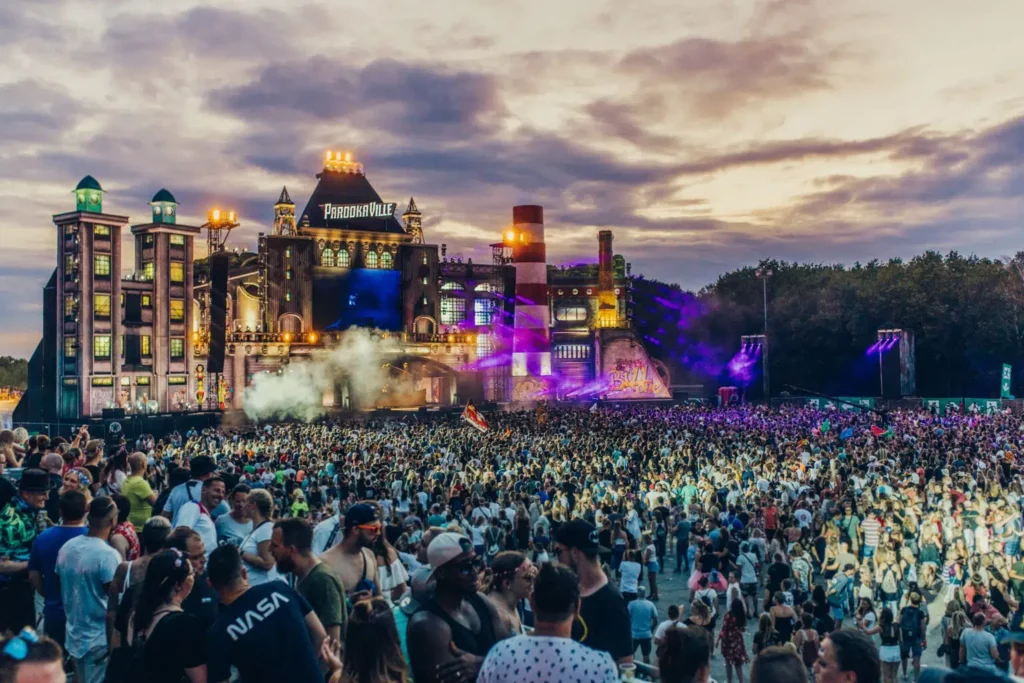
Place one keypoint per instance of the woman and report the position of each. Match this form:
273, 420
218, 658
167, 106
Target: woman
807, 641
707, 564
766, 635
866, 617
392, 573
783, 617
124, 539
255, 547
651, 562
730, 639
620, 541
630, 570
889, 644
709, 596
951, 638
115, 473
700, 620
172, 643
78, 479
522, 527
372, 652
512, 576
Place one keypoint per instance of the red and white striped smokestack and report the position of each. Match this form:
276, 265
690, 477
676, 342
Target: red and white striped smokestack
531, 344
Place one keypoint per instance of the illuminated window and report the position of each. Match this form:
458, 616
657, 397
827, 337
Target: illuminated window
102, 265
177, 272
484, 287
426, 280
70, 347
288, 252
571, 314
122, 298
483, 310
101, 347
144, 345
572, 351
386, 260
101, 305
327, 257
371, 259
148, 240
147, 300
453, 310
147, 270
424, 259
102, 231
178, 240
69, 263
177, 310
484, 345
177, 348
69, 306
288, 274
343, 258
287, 296
452, 286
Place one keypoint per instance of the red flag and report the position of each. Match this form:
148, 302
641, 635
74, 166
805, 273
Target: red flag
474, 418
876, 431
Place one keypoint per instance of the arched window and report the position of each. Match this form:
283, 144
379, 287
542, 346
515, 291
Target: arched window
371, 259
385, 260
484, 287
327, 257
452, 286
343, 258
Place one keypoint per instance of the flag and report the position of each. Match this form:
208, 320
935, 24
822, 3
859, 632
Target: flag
846, 434
825, 426
877, 431
474, 418
593, 408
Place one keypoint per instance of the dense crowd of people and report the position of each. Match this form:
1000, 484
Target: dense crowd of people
813, 545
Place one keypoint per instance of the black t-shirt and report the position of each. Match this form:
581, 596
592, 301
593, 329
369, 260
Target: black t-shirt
202, 603
603, 623
7, 491
32, 461
263, 633
777, 573
177, 643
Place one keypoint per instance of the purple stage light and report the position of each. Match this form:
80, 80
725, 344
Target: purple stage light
873, 348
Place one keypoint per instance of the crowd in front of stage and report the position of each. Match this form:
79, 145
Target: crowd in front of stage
427, 550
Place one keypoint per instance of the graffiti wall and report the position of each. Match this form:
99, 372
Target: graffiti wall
530, 388
630, 373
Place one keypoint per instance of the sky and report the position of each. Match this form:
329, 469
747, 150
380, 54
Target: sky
708, 134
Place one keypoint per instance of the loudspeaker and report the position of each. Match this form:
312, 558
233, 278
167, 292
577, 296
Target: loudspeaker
219, 263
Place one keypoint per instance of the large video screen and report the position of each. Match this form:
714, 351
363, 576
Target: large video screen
359, 297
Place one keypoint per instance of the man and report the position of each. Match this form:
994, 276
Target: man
291, 546
603, 622
913, 622
353, 560
1015, 639
778, 571
326, 534
53, 465
201, 469
643, 618
85, 568
202, 602
32, 658
838, 591
456, 628
233, 527
196, 514
978, 647
847, 656
683, 528
42, 565
870, 528
268, 632
673, 620
138, 492
20, 524
549, 653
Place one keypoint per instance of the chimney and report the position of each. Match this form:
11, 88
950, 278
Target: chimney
604, 260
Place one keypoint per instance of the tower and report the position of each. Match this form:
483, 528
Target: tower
412, 219
165, 208
284, 214
531, 344
607, 302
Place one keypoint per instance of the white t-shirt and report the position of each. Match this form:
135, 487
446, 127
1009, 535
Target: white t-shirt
541, 659
249, 545
659, 632
85, 565
747, 563
630, 577
397, 577
194, 518
323, 532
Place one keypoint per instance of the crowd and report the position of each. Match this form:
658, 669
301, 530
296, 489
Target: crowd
813, 545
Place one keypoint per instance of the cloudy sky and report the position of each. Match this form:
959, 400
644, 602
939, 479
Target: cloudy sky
707, 133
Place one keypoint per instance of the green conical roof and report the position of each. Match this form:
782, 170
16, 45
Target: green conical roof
89, 183
164, 196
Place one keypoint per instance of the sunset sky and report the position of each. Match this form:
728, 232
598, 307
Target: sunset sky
708, 134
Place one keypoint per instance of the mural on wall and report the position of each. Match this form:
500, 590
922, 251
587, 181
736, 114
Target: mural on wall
530, 388
630, 373
100, 398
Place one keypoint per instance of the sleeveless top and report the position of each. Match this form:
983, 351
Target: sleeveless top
474, 643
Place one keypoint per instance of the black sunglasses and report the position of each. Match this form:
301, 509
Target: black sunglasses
470, 566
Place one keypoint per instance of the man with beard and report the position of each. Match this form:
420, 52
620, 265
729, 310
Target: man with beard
291, 546
456, 628
353, 560
603, 622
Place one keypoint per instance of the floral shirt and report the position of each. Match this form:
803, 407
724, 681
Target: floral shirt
19, 526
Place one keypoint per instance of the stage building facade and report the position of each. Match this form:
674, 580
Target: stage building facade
512, 330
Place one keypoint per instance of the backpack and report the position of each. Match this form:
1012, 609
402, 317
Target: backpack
809, 651
910, 624
838, 597
889, 585
706, 599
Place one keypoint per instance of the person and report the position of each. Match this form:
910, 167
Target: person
53, 465
195, 515
957, 623
202, 602
913, 621
1015, 639
673, 620
512, 577
747, 562
978, 647
847, 656
549, 653
783, 618
456, 628
85, 567
137, 490
765, 635
29, 657
372, 653
326, 533
202, 468
630, 570
709, 596
42, 563
839, 590
643, 617
255, 547
20, 523
129, 577
682, 532
684, 656
730, 639
235, 526
124, 539
268, 632
807, 641
171, 642
395, 577
353, 559
291, 545
777, 664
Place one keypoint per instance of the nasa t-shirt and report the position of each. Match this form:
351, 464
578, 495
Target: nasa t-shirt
263, 634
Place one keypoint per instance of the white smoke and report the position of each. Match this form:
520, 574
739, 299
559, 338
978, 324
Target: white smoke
359, 359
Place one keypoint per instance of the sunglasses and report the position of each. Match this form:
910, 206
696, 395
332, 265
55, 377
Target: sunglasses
369, 527
470, 566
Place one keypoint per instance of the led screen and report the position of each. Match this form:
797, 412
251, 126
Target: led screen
358, 297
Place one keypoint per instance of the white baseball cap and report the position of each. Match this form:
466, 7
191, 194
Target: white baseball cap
446, 547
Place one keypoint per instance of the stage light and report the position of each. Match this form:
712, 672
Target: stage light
510, 236
313, 337
348, 156
215, 214
287, 336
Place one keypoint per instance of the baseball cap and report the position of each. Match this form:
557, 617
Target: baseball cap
360, 513
579, 534
444, 548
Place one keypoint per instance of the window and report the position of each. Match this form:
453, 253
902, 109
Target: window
148, 240
424, 259
102, 265
103, 381
177, 240
101, 347
147, 300
177, 310
426, 280
452, 286
484, 345
483, 310
327, 257
101, 306
69, 306
288, 274
69, 263
371, 259
287, 296
101, 231
70, 347
144, 345
122, 298
572, 351
386, 260
177, 348
484, 287
142, 381
147, 271
571, 314
343, 258
453, 310
177, 272
120, 346
177, 380
288, 252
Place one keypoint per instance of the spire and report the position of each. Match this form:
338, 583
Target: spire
284, 198
413, 220
284, 214
412, 207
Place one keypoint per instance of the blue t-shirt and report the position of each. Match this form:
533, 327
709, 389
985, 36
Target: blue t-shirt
44, 560
641, 612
